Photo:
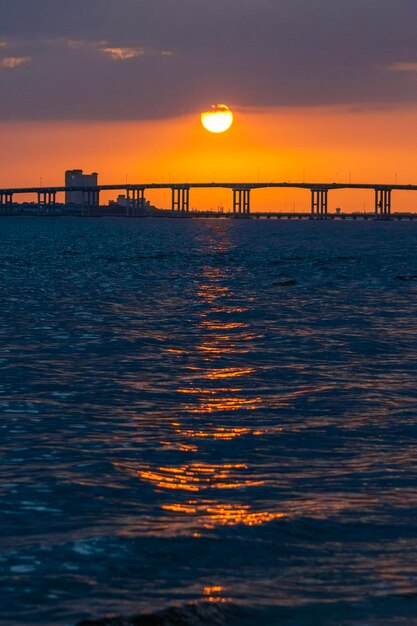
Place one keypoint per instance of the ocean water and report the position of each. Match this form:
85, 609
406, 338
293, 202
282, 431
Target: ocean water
213, 415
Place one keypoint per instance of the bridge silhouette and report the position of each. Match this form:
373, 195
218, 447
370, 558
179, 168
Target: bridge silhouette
46, 197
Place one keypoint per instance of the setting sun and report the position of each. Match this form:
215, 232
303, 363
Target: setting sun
218, 119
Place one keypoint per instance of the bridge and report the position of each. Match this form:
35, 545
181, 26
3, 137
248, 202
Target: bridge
46, 197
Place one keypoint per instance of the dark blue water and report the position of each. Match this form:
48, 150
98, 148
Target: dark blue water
214, 413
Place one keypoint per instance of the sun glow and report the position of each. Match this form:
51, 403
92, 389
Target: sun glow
218, 119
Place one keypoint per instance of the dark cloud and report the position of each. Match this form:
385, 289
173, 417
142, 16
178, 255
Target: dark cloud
137, 59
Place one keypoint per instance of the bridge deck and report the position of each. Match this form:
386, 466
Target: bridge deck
225, 185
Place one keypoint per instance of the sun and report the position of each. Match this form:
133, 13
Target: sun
218, 119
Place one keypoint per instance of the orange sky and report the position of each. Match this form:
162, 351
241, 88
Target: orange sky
322, 144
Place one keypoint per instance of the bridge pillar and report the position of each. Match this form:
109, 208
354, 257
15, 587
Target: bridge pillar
241, 200
52, 201
383, 200
319, 201
41, 202
6, 202
136, 202
128, 202
3, 203
46, 201
91, 200
180, 199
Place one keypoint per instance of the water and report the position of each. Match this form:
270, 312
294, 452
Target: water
214, 413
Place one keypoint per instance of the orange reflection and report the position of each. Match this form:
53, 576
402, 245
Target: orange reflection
217, 432
216, 348
213, 391
221, 338
182, 447
214, 594
215, 514
210, 293
229, 372
230, 308
214, 325
217, 405
199, 477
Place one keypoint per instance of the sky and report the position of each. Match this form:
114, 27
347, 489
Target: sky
323, 89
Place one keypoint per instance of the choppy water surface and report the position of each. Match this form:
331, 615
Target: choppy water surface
209, 412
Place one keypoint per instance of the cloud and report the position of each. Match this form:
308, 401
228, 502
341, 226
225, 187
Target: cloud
112, 51
12, 62
403, 67
178, 56
123, 54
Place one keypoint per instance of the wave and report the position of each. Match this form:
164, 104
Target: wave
399, 610
203, 614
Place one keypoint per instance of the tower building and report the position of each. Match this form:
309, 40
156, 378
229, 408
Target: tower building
76, 178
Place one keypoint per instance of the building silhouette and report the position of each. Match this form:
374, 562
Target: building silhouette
76, 178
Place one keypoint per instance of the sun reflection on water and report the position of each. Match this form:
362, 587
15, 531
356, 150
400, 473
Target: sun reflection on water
214, 594
200, 477
219, 404
217, 395
215, 514
229, 372
210, 431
